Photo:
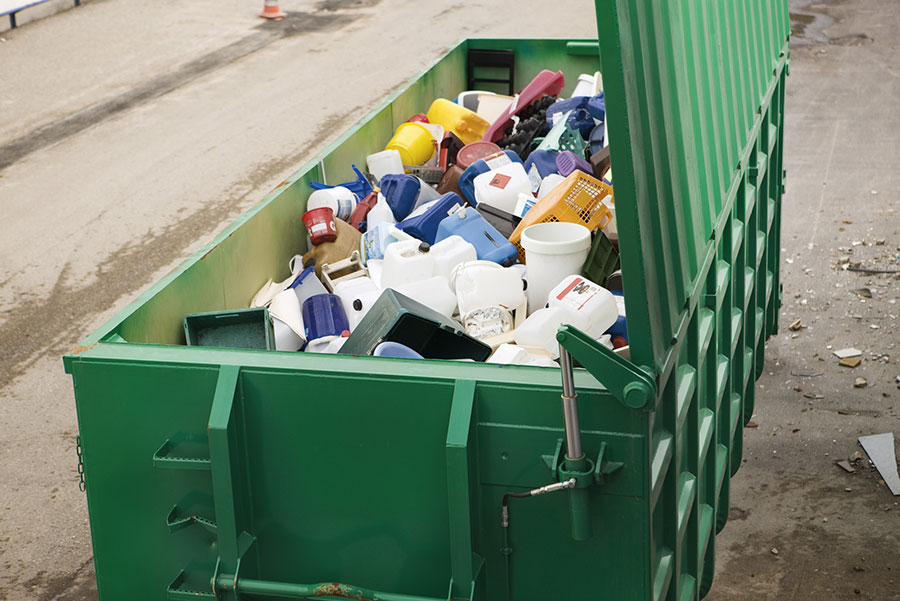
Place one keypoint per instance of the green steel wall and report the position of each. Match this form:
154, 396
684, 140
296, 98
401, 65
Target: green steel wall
695, 94
388, 474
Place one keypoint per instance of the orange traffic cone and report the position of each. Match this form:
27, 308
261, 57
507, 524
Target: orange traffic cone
271, 11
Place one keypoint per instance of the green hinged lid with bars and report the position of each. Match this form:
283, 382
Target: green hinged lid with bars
253, 474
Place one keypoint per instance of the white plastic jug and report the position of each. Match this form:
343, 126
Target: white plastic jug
357, 296
405, 262
450, 252
548, 183
384, 163
501, 187
380, 213
433, 292
596, 305
479, 285
339, 199
426, 193
541, 326
553, 251
512, 354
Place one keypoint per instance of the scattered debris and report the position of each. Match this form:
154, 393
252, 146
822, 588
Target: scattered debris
850, 361
880, 449
848, 489
860, 383
797, 325
813, 395
751, 425
873, 271
843, 412
798, 388
795, 430
774, 550
863, 292
856, 456
847, 352
805, 373
845, 465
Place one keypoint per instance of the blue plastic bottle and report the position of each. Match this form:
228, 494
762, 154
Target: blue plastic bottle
490, 245
401, 192
466, 181
423, 222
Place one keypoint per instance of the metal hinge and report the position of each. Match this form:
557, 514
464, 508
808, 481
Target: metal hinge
81, 486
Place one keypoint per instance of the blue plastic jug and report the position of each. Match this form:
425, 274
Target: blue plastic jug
466, 181
471, 226
423, 222
597, 107
401, 192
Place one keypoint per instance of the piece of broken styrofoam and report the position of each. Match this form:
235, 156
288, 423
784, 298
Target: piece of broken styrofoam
847, 352
880, 449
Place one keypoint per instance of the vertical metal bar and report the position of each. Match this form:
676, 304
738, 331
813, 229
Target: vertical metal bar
221, 427
570, 406
12, 20
458, 498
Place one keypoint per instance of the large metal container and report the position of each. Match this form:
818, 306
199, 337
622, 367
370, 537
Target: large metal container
254, 474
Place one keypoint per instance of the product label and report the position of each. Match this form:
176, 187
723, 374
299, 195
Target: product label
578, 293
500, 181
534, 176
318, 229
345, 208
499, 161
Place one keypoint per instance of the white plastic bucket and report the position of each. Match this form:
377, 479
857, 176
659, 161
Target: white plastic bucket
553, 251
339, 199
384, 163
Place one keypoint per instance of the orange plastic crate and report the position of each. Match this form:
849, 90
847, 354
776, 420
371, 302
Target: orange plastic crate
580, 198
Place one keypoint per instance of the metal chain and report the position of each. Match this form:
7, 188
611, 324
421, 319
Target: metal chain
81, 486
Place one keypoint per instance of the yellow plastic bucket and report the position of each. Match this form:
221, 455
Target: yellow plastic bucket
414, 143
466, 124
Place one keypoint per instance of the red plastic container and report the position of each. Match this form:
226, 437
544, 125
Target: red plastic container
418, 118
320, 225
363, 207
474, 151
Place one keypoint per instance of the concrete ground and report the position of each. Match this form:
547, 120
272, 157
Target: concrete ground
133, 131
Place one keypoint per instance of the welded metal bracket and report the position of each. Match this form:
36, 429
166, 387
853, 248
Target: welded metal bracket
595, 473
631, 384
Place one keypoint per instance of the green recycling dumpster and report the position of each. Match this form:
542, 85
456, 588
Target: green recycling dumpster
253, 474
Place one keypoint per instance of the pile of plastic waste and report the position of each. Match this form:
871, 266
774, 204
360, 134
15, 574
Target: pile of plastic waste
485, 224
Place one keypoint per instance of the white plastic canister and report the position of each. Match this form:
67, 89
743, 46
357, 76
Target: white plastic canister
501, 187
596, 305
405, 262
